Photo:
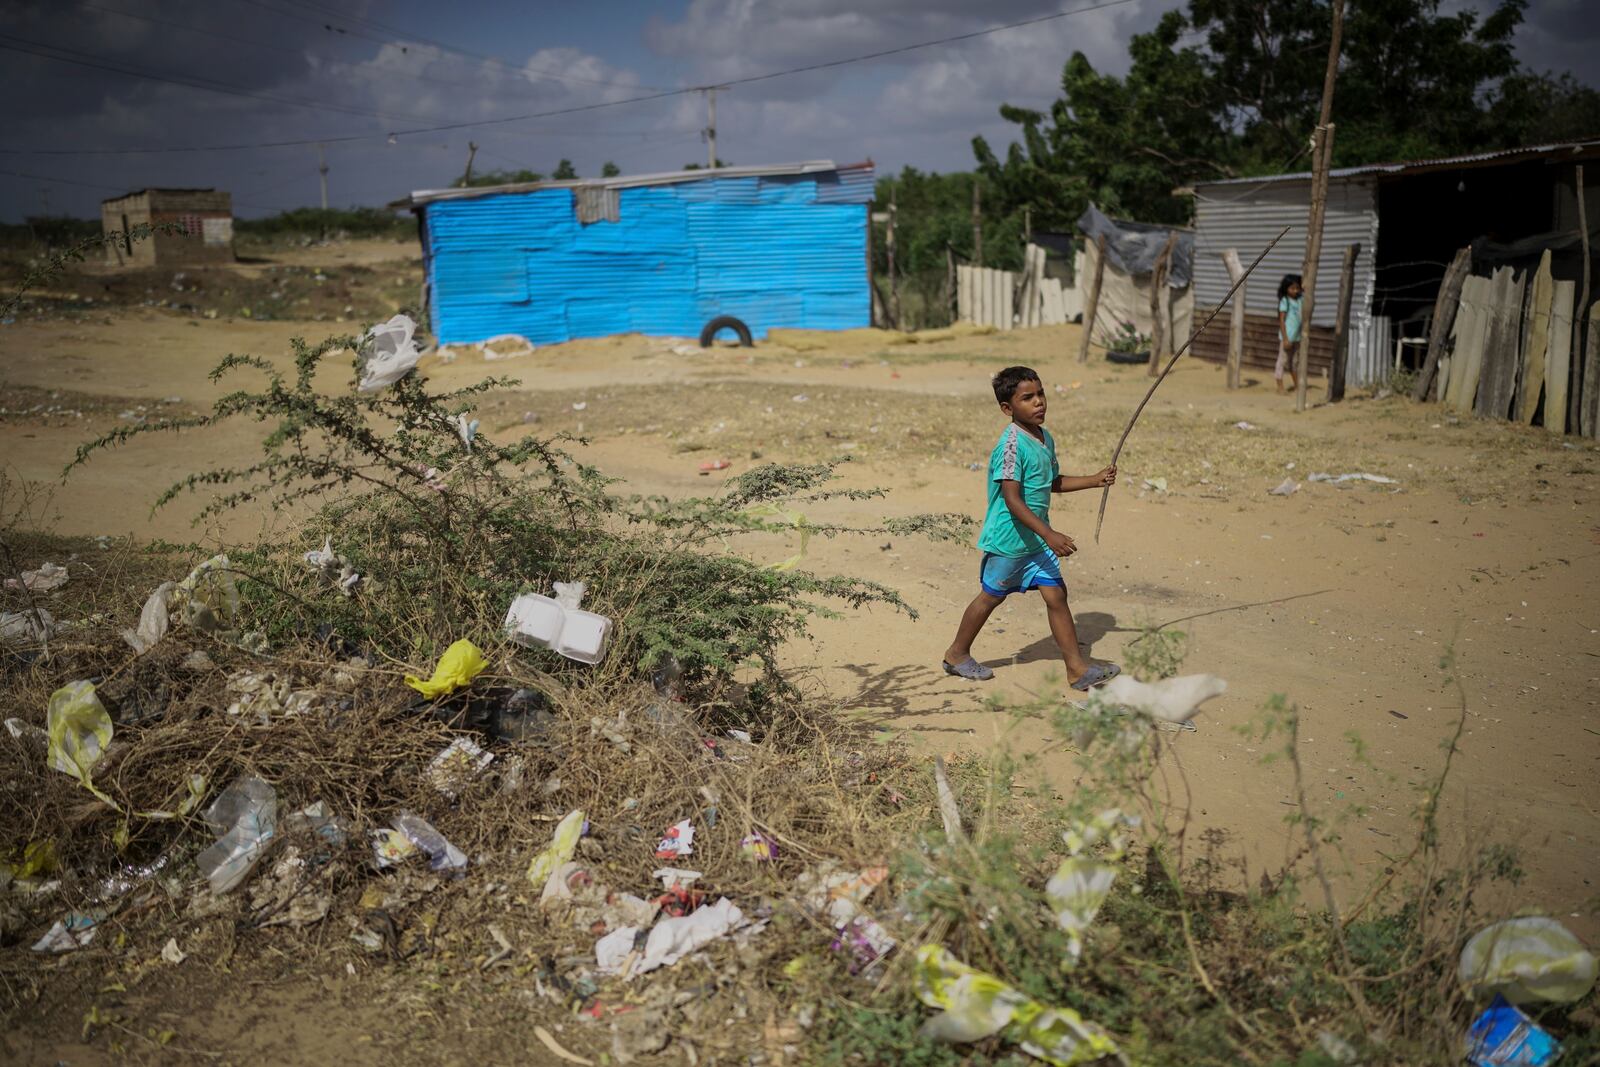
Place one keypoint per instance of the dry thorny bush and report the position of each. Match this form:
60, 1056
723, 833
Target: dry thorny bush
1185, 963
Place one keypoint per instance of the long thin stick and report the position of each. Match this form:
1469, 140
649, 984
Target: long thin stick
1105, 494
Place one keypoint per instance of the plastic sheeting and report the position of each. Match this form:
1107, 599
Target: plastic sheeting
1134, 247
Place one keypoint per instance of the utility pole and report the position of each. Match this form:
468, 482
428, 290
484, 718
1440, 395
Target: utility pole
472, 153
711, 127
1321, 158
322, 173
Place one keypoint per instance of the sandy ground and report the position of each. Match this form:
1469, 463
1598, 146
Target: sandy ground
1344, 599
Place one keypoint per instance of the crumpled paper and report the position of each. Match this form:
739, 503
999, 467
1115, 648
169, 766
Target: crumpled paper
977, 1005
31, 627
48, 577
460, 664
1528, 960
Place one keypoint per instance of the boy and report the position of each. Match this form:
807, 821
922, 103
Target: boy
1019, 547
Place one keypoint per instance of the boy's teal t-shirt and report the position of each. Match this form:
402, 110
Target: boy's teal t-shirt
1019, 457
1291, 317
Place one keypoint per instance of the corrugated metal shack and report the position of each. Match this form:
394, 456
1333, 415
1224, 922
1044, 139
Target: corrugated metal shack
203, 219
1409, 219
775, 246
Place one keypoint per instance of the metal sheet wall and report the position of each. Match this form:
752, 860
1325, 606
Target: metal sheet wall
769, 250
1245, 217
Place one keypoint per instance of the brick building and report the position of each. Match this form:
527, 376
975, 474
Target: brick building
204, 215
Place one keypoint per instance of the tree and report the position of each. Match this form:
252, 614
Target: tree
565, 172
499, 177
1242, 99
609, 170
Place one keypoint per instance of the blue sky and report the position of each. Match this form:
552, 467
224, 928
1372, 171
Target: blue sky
353, 71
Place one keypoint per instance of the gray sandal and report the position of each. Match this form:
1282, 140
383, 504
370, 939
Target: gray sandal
1097, 674
970, 669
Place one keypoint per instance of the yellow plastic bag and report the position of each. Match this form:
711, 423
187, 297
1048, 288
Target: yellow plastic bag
562, 845
977, 1005
460, 664
1528, 960
79, 730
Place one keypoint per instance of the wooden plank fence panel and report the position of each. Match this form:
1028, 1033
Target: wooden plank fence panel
1558, 361
1467, 362
1535, 341
1497, 377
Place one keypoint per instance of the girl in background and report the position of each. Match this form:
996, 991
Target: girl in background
1288, 329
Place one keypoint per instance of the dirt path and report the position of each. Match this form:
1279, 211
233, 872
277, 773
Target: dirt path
1343, 598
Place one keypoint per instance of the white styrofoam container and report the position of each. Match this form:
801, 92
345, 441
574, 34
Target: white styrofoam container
584, 636
540, 622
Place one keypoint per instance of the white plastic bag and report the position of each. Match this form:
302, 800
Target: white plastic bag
393, 353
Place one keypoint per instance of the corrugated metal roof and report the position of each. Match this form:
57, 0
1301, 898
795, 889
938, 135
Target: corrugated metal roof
1247, 221
774, 249
1502, 156
848, 174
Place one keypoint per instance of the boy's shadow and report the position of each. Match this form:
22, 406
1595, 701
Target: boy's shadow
1092, 627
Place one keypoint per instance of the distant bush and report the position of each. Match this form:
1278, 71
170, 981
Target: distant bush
316, 222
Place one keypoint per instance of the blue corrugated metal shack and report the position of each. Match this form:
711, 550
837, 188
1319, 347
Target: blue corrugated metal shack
782, 245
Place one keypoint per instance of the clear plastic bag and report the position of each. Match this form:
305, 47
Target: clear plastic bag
392, 353
246, 816
1528, 960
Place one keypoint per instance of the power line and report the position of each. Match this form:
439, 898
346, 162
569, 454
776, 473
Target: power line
584, 108
408, 35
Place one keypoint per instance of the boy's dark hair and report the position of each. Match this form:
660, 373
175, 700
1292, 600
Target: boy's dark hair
1005, 383
1288, 280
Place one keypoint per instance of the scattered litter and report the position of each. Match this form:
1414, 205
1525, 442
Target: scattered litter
562, 844
392, 353
79, 731
840, 895
1158, 484
49, 576
460, 663
1528, 960
742, 736
198, 661
865, 941
1359, 476
467, 430
678, 841
73, 932
172, 953
31, 627
977, 1005
208, 599
1504, 1036
758, 847
1080, 885
558, 624
245, 815
672, 939
580, 405
442, 855
456, 765
800, 398
154, 620
26, 731
1287, 487
1242, 425
714, 465
611, 952
1171, 700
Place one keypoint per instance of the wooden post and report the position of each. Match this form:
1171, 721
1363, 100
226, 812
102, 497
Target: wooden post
1321, 159
1591, 373
1581, 373
1230, 259
1027, 226
1158, 323
951, 300
1092, 308
1444, 317
1341, 329
888, 248
977, 223
874, 312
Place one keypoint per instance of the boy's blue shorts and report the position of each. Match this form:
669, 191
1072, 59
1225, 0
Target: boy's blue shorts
1004, 575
